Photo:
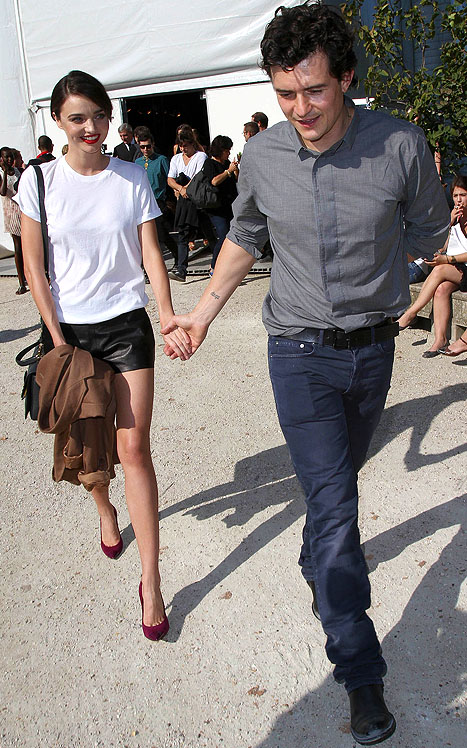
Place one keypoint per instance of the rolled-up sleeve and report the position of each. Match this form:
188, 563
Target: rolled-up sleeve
249, 227
426, 212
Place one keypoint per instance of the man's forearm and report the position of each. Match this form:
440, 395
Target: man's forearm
231, 267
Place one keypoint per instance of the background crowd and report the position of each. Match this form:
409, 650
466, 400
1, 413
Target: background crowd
169, 178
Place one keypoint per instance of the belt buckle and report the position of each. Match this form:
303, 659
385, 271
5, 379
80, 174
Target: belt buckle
341, 340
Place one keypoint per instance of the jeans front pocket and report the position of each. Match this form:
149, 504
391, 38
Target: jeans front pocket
279, 347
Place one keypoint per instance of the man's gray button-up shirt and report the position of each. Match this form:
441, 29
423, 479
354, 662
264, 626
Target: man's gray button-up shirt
340, 222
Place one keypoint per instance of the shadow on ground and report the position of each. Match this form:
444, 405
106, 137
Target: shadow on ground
427, 639
7, 336
417, 415
425, 646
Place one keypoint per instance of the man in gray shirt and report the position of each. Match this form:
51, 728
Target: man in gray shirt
344, 194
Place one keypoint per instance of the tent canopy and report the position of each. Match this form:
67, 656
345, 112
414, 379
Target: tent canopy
127, 44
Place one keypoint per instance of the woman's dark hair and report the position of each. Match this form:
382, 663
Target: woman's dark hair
460, 180
186, 135
296, 33
182, 127
79, 84
219, 144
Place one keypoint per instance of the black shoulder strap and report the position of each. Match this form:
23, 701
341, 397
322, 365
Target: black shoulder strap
45, 236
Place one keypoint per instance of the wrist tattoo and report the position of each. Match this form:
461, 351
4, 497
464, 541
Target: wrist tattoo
215, 295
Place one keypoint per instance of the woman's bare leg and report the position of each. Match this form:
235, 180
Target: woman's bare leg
438, 275
442, 313
110, 534
134, 391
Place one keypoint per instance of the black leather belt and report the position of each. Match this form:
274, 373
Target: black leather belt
358, 338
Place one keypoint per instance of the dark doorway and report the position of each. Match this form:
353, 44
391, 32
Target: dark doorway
163, 113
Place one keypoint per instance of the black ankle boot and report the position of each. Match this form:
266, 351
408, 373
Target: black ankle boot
370, 720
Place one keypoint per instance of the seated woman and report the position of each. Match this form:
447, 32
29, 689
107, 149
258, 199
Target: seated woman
449, 272
455, 349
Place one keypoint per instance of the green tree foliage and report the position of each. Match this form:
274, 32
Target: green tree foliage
435, 98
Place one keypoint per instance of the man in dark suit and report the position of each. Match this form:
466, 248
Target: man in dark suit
127, 148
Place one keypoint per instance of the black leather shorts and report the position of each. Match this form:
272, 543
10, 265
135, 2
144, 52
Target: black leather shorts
126, 342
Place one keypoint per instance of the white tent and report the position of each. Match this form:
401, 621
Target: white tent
135, 49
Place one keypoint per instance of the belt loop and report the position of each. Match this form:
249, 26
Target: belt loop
373, 335
321, 337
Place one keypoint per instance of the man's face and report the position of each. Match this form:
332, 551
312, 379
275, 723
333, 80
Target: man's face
247, 135
7, 158
312, 100
147, 147
126, 136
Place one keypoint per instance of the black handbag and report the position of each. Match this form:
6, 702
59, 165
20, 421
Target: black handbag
202, 193
30, 391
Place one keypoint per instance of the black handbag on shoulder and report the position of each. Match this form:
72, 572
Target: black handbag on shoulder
30, 391
202, 193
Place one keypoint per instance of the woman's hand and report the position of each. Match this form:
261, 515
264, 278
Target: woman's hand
177, 344
456, 214
193, 330
233, 168
438, 259
182, 192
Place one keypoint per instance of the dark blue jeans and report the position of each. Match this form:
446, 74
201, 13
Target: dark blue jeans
221, 227
329, 403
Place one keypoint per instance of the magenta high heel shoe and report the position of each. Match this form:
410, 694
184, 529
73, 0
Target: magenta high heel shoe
152, 632
112, 551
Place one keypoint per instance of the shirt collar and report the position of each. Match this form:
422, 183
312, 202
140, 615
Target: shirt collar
348, 138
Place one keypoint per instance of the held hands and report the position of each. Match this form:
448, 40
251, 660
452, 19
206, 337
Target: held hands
183, 335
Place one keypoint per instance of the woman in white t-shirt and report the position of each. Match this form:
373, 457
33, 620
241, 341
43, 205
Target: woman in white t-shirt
100, 217
449, 272
183, 167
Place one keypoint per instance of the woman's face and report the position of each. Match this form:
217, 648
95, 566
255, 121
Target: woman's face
459, 195
85, 124
187, 148
226, 154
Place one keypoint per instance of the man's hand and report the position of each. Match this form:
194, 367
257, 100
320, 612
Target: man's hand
191, 329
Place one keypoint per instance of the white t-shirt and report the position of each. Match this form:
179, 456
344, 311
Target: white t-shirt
94, 250
457, 244
177, 165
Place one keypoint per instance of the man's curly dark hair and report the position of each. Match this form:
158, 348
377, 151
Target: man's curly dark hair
296, 33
